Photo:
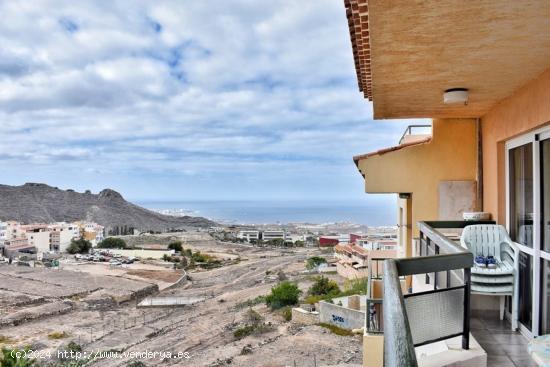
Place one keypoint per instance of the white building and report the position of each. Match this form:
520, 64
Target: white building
249, 235
3, 232
295, 237
61, 235
38, 236
273, 235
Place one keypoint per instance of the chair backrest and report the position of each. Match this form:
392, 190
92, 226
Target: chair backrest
485, 239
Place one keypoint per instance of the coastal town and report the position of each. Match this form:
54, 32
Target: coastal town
188, 292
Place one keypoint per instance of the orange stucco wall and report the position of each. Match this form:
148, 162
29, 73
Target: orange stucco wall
527, 109
418, 169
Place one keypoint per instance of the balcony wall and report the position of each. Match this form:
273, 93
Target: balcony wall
420, 168
527, 109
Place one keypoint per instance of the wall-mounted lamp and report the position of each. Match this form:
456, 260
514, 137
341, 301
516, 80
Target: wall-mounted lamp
455, 96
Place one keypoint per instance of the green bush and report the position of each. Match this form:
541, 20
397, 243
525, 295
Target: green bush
355, 286
243, 331
112, 242
315, 261
176, 246
287, 313
74, 347
80, 246
15, 358
323, 286
284, 294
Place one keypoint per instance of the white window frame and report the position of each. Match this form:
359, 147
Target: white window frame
534, 138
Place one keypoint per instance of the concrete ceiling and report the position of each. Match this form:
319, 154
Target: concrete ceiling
418, 49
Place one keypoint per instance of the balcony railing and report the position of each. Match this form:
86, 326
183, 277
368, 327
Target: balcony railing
426, 317
415, 130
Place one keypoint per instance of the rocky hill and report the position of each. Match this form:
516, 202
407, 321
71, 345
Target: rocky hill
36, 202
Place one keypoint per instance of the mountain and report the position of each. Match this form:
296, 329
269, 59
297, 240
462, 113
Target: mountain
41, 203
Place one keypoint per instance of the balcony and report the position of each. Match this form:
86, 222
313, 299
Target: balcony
430, 322
415, 133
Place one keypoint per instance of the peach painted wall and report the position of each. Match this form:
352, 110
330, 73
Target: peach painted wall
451, 155
527, 109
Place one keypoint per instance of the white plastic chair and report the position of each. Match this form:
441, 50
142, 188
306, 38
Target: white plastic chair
502, 280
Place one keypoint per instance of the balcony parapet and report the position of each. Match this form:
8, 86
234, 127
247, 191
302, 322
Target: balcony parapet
422, 318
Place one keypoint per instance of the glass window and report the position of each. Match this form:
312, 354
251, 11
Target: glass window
545, 193
521, 194
545, 298
525, 290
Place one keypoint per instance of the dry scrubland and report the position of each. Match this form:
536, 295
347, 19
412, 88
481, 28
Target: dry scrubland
47, 309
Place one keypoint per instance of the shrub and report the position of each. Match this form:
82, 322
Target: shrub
314, 299
355, 286
243, 331
74, 347
57, 335
15, 358
314, 262
287, 313
253, 318
323, 286
112, 242
80, 246
336, 330
250, 302
176, 246
247, 349
284, 294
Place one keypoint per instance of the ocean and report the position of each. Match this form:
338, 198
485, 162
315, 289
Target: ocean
376, 213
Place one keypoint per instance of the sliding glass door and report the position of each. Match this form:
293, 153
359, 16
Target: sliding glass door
528, 221
520, 180
544, 147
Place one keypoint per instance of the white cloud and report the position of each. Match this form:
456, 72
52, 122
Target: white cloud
136, 92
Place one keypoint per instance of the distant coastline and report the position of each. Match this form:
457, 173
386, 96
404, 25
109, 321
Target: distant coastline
283, 212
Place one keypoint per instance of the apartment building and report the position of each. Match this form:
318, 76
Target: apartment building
61, 235
273, 235
481, 72
38, 236
91, 231
354, 260
43, 237
248, 235
14, 236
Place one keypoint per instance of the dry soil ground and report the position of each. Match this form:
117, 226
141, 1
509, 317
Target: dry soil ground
204, 331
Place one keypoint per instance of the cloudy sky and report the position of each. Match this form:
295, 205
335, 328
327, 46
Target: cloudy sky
184, 99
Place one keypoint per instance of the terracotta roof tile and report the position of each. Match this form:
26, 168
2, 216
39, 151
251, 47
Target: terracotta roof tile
357, 158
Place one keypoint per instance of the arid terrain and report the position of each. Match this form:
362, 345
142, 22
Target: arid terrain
202, 332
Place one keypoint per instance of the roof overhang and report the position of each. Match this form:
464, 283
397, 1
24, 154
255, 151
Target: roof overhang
408, 52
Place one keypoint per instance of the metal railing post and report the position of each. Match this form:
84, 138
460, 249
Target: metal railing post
398, 343
467, 285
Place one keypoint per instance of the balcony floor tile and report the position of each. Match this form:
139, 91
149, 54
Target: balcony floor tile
504, 347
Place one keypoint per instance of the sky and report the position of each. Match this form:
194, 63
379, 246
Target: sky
185, 100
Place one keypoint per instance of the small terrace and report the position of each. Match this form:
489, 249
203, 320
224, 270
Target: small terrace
415, 133
423, 317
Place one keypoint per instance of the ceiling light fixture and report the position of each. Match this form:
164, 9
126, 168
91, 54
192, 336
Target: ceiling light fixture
455, 96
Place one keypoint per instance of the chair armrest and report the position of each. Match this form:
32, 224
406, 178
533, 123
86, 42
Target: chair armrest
511, 249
